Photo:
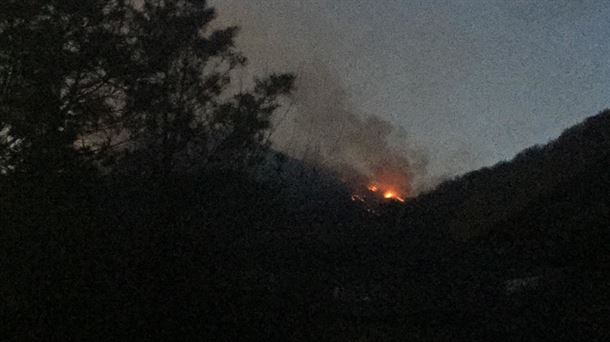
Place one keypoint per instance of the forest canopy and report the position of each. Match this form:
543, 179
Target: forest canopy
85, 83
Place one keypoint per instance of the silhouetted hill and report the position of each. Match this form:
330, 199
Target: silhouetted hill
525, 243
517, 251
473, 204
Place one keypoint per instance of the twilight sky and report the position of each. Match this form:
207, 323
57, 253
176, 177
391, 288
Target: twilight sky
469, 82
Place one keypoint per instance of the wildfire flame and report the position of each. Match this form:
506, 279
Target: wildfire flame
387, 192
392, 195
383, 186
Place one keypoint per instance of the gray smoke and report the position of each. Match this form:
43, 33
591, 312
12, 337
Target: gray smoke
324, 128
320, 124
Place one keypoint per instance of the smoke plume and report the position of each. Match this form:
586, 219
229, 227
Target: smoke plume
321, 125
324, 128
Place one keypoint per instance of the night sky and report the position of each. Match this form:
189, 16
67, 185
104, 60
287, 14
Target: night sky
471, 82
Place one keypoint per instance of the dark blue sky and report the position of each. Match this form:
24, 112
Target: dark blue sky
471, 82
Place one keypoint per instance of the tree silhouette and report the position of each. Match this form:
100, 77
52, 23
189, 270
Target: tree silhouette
61, 67
81, 82
183, 110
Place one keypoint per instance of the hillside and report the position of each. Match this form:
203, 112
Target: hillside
526, 242
518, 251
471, 204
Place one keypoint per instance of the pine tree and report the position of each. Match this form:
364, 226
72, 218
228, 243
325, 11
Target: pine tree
62, 67
83, 82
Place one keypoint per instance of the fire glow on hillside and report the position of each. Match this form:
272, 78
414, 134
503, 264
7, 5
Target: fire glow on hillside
379, 192
380, 185
386, 191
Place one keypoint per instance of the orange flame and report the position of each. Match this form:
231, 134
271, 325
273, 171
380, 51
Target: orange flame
387, 192
392, 195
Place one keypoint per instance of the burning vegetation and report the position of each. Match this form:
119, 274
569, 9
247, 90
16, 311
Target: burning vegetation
374, 187
386, 191
393, 187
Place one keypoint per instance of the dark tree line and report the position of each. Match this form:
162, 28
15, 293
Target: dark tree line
122, 143
86, 82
